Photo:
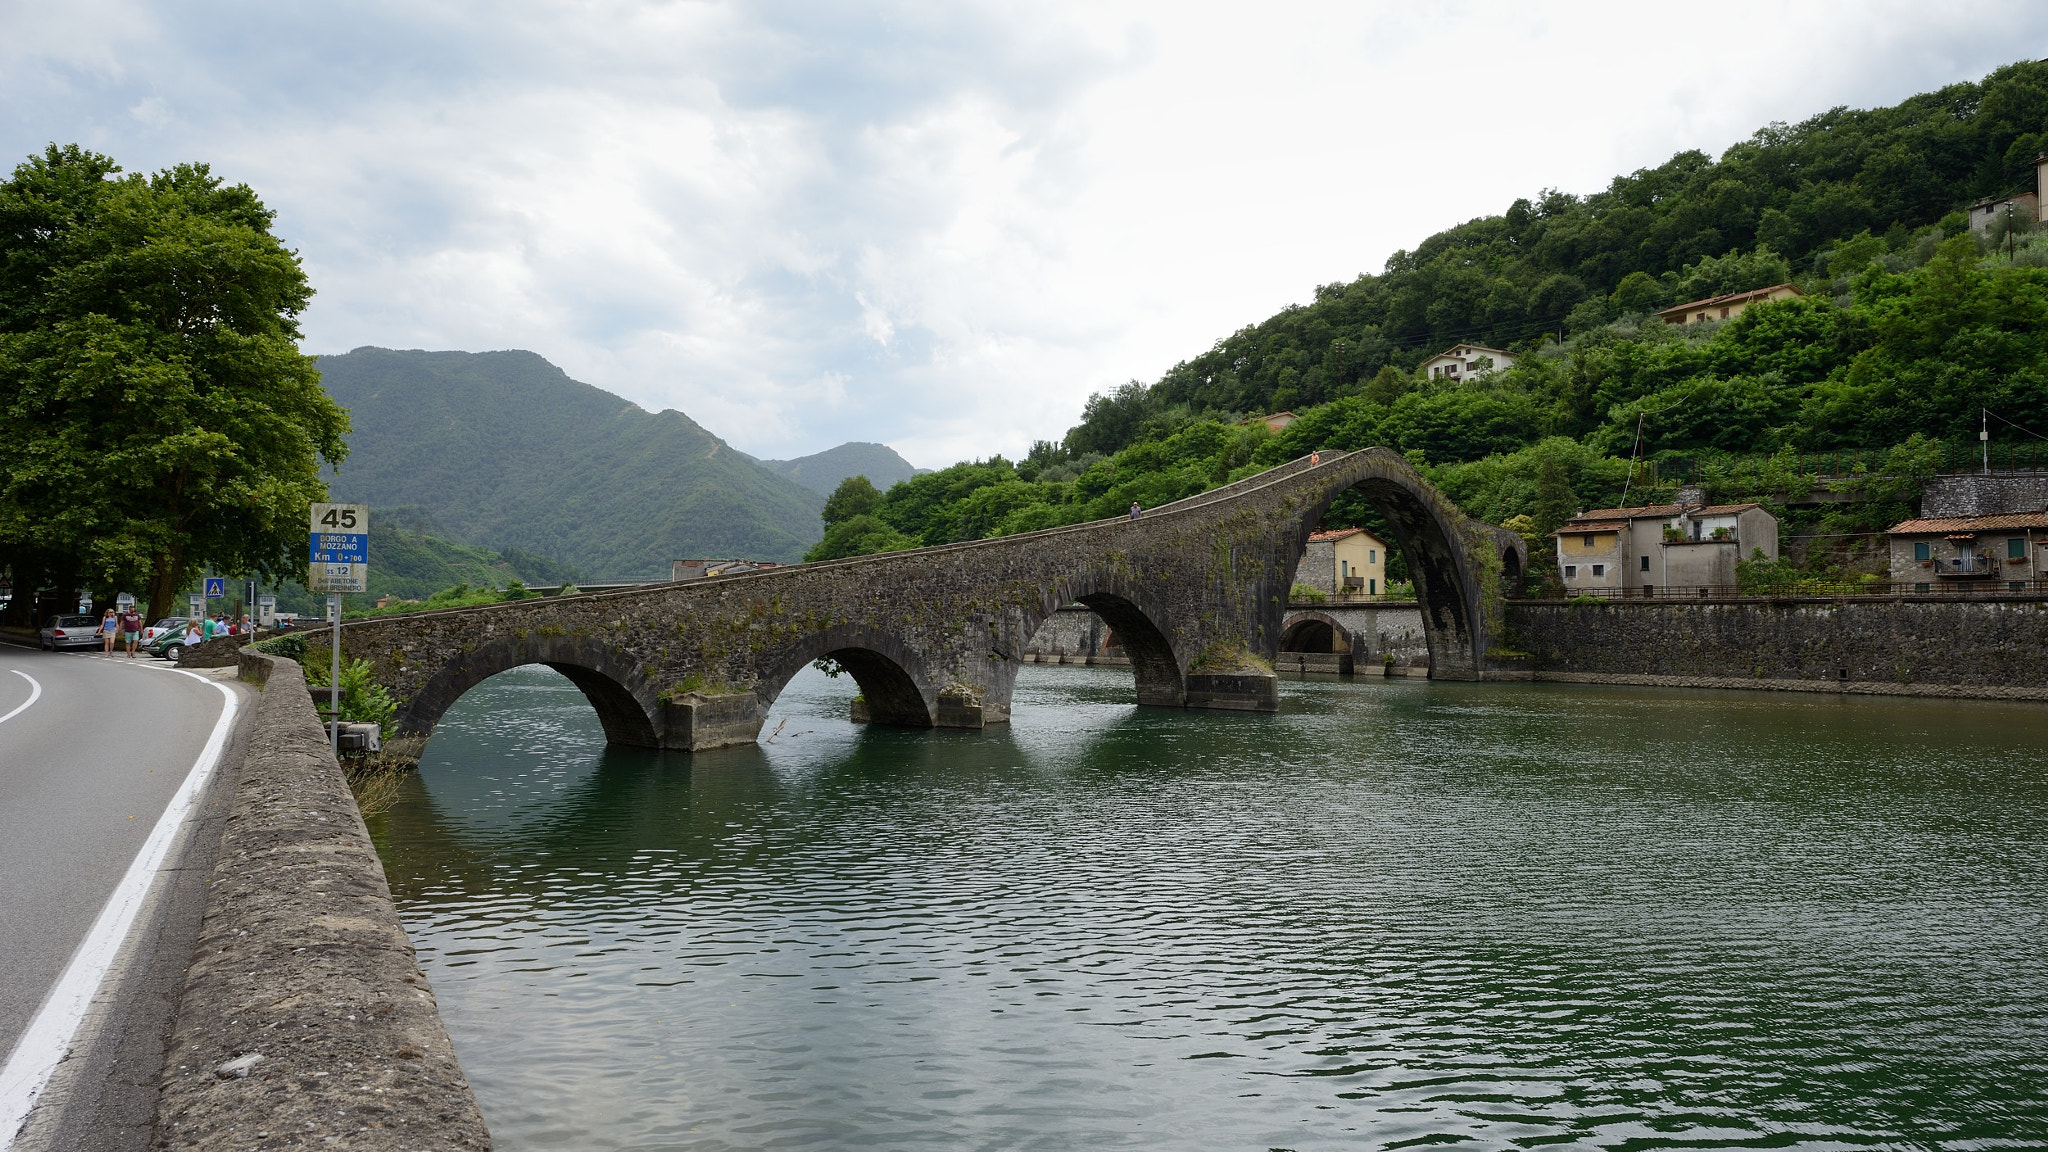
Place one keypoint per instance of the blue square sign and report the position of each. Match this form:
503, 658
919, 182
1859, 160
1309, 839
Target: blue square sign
216, 586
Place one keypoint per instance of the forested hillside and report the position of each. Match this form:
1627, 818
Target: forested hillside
1909, 327
504, 450
821, 472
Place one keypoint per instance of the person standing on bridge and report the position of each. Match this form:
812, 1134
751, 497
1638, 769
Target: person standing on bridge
1135, 510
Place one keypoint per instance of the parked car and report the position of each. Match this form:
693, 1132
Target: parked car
71, 632
162, 626
169, 643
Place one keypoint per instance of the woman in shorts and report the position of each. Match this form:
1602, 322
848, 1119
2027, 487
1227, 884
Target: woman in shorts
110, 625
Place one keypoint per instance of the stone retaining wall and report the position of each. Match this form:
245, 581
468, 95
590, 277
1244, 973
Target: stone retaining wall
305, 1021
1894, 645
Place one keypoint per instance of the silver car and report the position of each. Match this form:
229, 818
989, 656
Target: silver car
71, 632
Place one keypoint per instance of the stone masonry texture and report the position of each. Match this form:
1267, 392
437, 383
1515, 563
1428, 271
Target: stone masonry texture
1904, 645
305, 1021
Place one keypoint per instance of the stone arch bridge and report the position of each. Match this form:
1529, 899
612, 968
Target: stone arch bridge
1196, 589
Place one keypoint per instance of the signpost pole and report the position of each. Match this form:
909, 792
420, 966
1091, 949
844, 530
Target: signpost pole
334, 674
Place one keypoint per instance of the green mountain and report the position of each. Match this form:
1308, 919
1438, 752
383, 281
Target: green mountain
505, 451
822, 472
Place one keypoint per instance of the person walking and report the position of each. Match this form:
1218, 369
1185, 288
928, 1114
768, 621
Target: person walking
1135, 510
110, 627
131, 629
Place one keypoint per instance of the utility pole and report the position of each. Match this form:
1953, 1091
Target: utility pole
1984, 437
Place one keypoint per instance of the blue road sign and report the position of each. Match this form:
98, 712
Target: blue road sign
216, 586
339, 548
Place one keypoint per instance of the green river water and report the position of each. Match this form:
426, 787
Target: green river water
1396, 914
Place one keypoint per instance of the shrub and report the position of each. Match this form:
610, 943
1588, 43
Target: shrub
1303, 592
362, 698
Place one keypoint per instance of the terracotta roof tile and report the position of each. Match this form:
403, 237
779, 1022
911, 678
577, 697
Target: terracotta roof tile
1728, 298
1993, 523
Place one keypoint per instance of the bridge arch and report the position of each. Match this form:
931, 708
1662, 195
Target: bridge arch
1155, 665
1314, 632
1455, 562
626, 703
892, 678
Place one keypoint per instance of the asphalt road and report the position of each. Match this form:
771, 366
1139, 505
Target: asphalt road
86, 771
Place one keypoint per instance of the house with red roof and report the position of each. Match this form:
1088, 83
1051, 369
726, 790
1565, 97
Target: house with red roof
1341, 562
1727, 306
1661, 549
1933, 553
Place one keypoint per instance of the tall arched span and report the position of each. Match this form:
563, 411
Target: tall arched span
1456, 563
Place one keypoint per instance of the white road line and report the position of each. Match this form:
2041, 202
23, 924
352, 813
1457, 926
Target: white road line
49, 1036
35, 692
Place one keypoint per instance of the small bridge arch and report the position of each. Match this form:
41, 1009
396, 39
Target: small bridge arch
627, 704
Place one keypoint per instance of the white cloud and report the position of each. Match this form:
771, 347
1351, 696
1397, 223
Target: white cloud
938, 226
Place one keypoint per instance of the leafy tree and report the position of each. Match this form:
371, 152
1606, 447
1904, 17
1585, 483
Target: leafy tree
858, 536
159, 417
855, 496
1555, 500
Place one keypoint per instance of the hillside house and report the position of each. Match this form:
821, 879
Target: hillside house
1661, 549
2024, 206
1277, 422
1955, 552
1728, 307
1464, 361
1344, 562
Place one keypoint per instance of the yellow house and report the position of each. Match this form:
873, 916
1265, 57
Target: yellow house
1344, 562
1728, 307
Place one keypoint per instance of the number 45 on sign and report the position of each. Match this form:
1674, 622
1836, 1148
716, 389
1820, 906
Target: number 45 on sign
338, 548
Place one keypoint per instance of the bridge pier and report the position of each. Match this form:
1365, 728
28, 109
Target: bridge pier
697, 721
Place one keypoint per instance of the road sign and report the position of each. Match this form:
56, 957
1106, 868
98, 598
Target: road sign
338, 548
216, 587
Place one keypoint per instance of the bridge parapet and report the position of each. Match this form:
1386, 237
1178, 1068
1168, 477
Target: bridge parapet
1197, 591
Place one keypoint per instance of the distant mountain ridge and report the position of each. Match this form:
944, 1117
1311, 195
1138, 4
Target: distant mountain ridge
821, 472
505, 451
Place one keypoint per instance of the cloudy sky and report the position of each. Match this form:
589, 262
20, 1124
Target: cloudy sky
936, 225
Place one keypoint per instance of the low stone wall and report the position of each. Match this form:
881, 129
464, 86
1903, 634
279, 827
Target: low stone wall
305, 1021
1894, 646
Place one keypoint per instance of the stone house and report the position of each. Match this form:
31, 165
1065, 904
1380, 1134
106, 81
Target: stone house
1344, 562
1727, 307
1956, 552
1676, 548
1464, 361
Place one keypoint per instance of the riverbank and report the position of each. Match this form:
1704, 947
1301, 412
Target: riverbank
304, 1020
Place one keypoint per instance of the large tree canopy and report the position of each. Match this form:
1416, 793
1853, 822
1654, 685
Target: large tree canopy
157, 419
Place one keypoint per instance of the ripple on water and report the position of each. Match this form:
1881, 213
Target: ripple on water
1393, 915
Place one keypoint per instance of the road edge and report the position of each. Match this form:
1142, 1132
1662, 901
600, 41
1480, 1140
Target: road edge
305, 1020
